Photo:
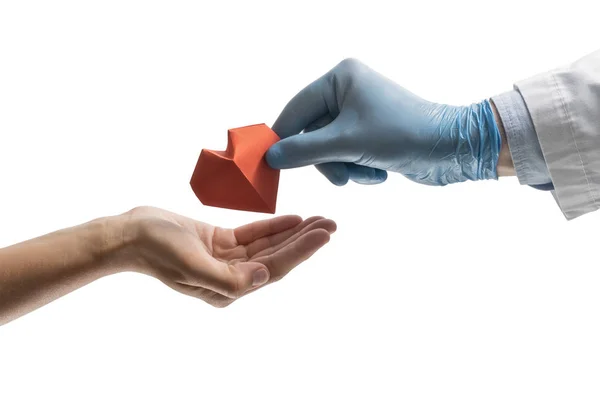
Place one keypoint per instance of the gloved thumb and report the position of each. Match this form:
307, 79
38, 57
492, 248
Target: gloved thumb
316, 147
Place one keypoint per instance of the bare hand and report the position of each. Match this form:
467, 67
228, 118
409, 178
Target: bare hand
215, 264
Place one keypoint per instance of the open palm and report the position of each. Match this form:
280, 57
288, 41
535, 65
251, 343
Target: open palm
219, 265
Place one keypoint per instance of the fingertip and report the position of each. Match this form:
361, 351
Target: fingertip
381, 175
287, 222
338, 176
333, 227
338, 181
260, 277
319, 237
328, 224
336, 173
274, 156
253, 274
325, 237
366, 175
295, 218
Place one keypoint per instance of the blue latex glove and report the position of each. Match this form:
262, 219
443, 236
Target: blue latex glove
358, 124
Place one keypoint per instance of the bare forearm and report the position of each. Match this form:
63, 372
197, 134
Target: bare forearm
38, 271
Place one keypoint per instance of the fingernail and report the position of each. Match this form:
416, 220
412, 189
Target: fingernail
260, 277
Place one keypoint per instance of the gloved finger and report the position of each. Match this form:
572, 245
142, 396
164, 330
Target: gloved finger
366, 175
319, 123
304, 108
336, 172
316, 147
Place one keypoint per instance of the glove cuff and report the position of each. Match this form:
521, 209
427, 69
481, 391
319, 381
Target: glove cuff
484, 141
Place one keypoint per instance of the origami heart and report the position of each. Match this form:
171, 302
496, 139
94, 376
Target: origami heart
239, 177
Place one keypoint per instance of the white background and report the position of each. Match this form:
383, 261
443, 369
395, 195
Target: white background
474, 291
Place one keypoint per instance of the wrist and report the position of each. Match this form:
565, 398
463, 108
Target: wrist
505, 165
131, 241
110, 244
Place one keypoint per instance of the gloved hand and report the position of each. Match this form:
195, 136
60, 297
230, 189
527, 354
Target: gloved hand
358, 124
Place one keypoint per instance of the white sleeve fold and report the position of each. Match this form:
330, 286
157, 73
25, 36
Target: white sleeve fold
564, 105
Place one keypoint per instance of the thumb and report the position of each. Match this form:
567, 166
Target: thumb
253, 275
316, 147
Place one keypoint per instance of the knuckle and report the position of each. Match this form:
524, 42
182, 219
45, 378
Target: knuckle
349, 66
140, 210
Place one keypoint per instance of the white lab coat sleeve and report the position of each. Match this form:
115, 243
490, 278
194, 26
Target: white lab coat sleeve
564, 105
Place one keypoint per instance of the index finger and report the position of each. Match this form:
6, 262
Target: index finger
303, 109
249, 233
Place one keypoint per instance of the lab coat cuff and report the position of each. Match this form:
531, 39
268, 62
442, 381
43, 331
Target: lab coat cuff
523, 142
551, 106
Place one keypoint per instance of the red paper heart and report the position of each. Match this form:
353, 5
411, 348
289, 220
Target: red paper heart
239, 177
